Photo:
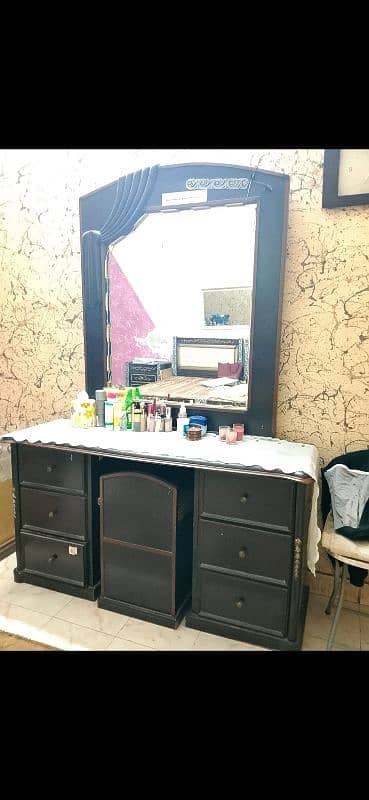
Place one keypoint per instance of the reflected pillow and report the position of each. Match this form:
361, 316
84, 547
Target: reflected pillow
230, 370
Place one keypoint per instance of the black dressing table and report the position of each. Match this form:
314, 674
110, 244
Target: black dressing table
147, 524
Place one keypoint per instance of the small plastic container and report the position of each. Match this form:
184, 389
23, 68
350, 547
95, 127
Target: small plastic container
223, 430
231, 437
240, 430
200, 422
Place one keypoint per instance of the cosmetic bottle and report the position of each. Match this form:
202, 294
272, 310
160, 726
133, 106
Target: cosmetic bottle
109, 410
168, 420
100, 397
182, 419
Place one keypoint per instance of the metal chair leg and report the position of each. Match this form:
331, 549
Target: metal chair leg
333, 596
332, 631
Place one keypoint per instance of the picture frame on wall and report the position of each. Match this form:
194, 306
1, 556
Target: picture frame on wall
345, 178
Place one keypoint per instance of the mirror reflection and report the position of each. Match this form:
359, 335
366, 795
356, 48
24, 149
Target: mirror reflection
180, 289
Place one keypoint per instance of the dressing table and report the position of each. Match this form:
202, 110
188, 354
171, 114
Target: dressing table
152, 525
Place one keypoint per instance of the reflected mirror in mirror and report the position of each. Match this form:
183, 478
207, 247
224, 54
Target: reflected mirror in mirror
180, 304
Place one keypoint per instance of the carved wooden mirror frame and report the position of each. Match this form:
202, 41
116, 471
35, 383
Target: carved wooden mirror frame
111, 212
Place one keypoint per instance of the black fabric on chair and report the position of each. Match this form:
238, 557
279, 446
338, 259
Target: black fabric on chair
359, 459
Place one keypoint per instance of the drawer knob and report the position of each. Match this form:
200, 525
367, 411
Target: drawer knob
52, 514
50, 467
243, 552
52, 558
244, 498
240, 602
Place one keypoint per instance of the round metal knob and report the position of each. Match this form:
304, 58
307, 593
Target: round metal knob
50, 467
52, 558
240, 603
243, 552
52, 514
243, 499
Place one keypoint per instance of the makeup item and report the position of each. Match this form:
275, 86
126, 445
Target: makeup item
118, 413
200, 422
143, 417
100, 397
240, 430
231, 437
182, 419
223, 429
194, 433
83, 411
136, 417
168, 420
109, 410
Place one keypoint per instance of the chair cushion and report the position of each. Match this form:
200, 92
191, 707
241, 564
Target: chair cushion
354, 551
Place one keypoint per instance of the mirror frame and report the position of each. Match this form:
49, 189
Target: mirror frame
111, 212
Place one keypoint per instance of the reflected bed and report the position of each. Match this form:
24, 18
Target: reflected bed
186, 388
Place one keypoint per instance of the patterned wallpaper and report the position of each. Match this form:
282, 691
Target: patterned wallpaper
324, 359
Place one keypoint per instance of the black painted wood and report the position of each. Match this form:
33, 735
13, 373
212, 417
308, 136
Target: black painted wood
55, 558
146, 542
246, 550
54, 468
144, 581
264, 501
104, 218
58, 513
53, 513
243, 601
248, 578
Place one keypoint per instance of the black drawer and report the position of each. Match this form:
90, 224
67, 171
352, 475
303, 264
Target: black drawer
243, 602
56, 558
268, 502
57, 468
53, 512
137, 576
244, 549
139, 509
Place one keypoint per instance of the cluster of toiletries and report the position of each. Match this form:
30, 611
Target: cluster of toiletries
122, 409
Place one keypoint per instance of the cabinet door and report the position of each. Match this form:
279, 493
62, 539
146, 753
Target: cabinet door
139, 509
140, 577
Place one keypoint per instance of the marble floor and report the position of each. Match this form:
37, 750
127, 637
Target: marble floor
69, 623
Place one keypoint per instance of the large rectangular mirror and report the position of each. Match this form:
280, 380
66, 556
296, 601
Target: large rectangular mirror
180, 297
182, 272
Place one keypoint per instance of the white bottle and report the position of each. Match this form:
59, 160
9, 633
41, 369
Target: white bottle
182, 419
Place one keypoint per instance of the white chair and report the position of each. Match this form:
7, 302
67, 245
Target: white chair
345, 551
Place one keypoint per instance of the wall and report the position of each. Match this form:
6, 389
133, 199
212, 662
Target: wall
324, 359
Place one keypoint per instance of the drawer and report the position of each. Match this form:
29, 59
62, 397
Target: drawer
268, 502
38, 465
246, 550
56, 558
139, 509
53, 512
243, 602
137, 576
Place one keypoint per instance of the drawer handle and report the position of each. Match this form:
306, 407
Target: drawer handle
50, 467
243, 552
52, 558
240, 602
53, 514
243, 499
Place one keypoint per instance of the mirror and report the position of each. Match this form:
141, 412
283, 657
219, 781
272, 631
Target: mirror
167, 253
180, 292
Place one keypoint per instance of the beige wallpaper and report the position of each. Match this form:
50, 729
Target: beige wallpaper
324, 364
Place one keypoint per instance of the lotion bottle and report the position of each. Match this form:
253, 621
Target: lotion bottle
182, 419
